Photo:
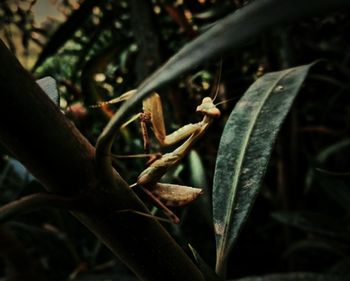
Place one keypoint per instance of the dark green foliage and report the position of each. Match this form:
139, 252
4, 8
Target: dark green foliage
288, 182
245, 149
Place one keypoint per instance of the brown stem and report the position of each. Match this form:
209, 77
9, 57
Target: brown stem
146, 37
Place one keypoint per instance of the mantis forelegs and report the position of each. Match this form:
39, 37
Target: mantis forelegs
153, 114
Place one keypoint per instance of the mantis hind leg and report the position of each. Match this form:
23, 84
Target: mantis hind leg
167, 212
144, 215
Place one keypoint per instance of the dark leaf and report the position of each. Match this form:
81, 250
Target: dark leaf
302, 276
337, 187
245, 149
316, 223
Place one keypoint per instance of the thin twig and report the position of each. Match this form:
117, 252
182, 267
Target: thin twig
33, 202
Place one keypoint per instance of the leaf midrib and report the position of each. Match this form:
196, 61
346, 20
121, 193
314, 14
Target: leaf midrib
240, 160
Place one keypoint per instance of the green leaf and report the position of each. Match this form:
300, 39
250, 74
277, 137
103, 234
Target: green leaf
198, 179
197, 170
316, 223
245, 149
318, 167
336, 186
316, 247
341, 268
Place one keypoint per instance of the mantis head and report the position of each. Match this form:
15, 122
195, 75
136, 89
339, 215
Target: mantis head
208, 108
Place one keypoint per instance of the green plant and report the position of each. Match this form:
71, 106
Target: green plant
96, 47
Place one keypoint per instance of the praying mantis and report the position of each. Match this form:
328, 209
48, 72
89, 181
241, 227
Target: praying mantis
171, 195
164, 194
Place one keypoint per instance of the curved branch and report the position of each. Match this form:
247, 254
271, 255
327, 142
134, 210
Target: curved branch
33, 202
